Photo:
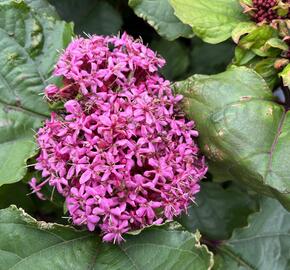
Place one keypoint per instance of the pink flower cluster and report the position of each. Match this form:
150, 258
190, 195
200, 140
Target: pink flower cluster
121, 151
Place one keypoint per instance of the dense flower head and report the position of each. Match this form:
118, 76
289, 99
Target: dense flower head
267, 10
99, 64
121, 152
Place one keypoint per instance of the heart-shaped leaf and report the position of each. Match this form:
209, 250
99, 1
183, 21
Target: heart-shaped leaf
28, 51
263, 244
213, 21
243, 131
218, 211
159, 14
30, 245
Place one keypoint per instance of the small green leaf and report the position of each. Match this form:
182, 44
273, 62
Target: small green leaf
27, 244
241, 29
159, 14
276, 43
285, 75
242, 56
243, 131
263, 244
218, 211
259, 41
266, 69
212, 21
28, 44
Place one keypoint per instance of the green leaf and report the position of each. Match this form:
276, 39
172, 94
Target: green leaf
218, 211
176, 56
42, 7
262, 41
28, 244
159, 14
264, 66
20, 196
247, 2
276, 43
90, 16
242, 56
263, 244
241, 29
285, 75
212, 21
210, 59
243, 131
27, 55
57, 35
267, 70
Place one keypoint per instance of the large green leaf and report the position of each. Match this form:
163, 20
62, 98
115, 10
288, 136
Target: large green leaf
28, 244
263, 244
213, 21
20, 196
264, 66
176, 56
42, 6
90, 16
28, 47
244, 132
159, 14
218, 211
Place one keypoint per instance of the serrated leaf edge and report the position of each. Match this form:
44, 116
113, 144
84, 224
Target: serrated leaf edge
42, 225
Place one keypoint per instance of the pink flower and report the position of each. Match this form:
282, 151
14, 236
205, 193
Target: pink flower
36, 188
51, 91
120, 152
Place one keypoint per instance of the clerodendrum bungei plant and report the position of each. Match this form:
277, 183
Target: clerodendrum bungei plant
139, 162
121, 151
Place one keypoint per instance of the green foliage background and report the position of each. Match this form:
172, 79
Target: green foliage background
238, 221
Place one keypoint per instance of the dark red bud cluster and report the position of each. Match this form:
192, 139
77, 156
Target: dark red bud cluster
264, 11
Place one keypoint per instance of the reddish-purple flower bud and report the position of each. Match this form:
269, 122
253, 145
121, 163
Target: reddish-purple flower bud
266, 10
